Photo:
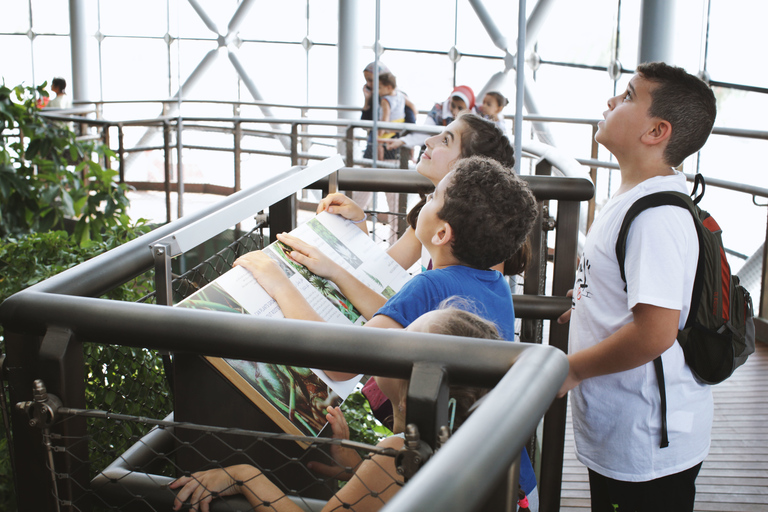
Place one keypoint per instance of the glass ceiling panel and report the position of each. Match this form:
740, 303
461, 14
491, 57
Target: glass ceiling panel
738, 41
17, 65
124, 77
579, 33
134, 18
57, 61
267, 25
409, 24
48, 16
15, 18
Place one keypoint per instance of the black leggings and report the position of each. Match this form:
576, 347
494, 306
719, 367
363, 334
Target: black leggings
673, 493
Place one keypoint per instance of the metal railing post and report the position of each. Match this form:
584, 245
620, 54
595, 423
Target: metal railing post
593, 175
167, 168
427, 402
121, 152
763, 307
553, 434
294, 143
350, 140
238, 134
62, 365
163, 276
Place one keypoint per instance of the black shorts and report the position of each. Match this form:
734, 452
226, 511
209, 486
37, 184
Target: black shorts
673, 493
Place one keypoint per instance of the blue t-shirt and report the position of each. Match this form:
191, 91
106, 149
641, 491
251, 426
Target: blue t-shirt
490, 296
487, 290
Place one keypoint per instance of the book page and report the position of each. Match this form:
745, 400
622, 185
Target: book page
296, 398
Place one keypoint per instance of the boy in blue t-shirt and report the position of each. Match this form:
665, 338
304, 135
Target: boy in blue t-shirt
478, 216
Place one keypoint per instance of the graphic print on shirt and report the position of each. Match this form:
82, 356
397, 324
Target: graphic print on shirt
582, 286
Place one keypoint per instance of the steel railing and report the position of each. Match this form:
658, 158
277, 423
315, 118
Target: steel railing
45, 326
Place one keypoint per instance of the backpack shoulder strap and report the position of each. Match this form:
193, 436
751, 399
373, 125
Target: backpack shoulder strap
639, 206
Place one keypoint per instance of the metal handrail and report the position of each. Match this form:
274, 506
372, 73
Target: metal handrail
63, 306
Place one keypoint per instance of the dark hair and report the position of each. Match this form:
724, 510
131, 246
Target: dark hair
59, 83
686, 102
500, 98
388, 79
490, 210
480, 137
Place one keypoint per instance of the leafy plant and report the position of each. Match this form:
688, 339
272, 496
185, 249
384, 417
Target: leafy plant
48, 175
363, 426
28, 259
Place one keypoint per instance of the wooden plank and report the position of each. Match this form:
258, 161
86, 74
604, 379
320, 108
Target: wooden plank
734, 477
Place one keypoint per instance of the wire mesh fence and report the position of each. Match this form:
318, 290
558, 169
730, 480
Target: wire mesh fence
128, 457
141, 478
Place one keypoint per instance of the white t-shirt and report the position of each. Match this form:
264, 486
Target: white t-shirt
617, 417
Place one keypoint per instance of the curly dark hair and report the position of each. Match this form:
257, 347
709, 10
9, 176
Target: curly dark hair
686, 102
490, 210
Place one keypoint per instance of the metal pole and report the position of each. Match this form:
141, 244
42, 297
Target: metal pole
375, 97
657, 28
520, 84
349, 43
78, 40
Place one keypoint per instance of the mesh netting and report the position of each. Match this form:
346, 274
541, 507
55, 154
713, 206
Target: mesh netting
141, 478
127, 387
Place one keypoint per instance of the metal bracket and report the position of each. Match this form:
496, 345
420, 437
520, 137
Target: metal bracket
413, 455
161, 252
43, 409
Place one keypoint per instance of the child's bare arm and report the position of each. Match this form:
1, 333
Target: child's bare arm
375, 481
407, 250
347, 460
271, 277
385, 110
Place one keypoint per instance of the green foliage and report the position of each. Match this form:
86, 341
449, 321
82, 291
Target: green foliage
47, 175
28, 259
363, 426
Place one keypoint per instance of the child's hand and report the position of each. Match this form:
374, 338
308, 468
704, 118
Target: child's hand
202, 487
266, 271
339, 204
394, 143
566, 317
344, 457
310, 256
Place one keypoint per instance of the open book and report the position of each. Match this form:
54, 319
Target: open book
296, 398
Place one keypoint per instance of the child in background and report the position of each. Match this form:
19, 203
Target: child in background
375, 479
493, 103
461, 100
393, 105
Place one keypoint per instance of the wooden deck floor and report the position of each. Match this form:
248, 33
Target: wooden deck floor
734, 477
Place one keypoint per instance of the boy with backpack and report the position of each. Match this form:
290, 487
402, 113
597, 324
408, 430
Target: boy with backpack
618, 327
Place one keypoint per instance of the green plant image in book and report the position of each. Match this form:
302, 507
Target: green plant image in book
214, 298
373, 278
388, 292
298, 393
337, 245
324, 286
